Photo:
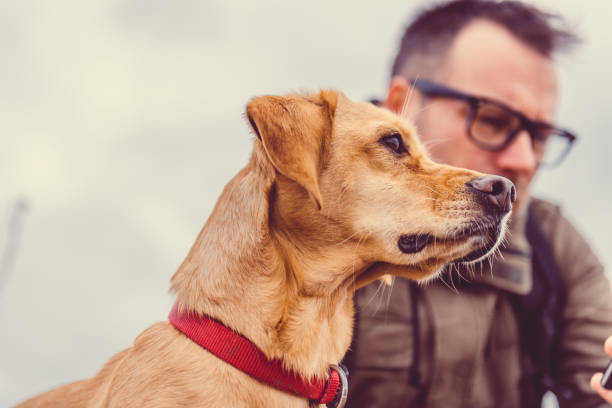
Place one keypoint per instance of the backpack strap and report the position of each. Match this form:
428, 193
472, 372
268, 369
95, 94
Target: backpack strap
415, 373
539, 318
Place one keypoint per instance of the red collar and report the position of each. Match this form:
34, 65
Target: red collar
240, 352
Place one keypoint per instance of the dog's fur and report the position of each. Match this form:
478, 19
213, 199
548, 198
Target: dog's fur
316, 213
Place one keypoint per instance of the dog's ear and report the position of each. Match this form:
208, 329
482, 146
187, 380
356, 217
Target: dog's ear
295, 132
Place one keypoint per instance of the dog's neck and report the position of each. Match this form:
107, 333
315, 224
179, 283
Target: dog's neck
293, 299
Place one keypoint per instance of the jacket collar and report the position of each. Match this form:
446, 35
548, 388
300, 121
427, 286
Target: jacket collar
512, 270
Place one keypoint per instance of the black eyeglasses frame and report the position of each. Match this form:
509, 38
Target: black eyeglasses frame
432, 89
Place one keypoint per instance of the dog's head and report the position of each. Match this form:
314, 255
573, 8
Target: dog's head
353, 172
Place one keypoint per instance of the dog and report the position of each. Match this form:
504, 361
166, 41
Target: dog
336, 193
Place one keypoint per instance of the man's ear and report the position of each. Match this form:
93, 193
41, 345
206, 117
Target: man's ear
295, 131
398, 95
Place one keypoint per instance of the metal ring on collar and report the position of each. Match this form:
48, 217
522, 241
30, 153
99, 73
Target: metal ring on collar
343, 387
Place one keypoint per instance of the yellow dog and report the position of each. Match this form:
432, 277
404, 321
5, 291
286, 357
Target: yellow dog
333, 189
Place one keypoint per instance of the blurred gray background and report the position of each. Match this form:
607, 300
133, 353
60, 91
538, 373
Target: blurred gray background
121, 121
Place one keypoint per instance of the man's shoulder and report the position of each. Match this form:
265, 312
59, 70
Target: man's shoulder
573, 253
553, 223
545, 211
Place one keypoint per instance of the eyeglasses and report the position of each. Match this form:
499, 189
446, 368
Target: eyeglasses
493, 125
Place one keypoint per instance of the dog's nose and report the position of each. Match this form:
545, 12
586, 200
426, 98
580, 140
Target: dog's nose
499, 192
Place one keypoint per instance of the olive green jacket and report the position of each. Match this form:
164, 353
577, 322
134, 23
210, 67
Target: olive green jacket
468, 352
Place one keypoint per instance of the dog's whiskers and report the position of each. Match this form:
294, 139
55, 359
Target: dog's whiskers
345, 240
428, 144
433, 190
407, 99
379, 289
337, 201
425, 107
361, 239
390, 290
453, 288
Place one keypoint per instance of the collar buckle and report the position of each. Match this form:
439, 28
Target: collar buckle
339, 400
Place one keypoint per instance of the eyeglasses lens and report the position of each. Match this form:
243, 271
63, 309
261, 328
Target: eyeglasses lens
492, 125
550, 146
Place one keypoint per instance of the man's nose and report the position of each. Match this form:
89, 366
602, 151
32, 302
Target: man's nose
518, 156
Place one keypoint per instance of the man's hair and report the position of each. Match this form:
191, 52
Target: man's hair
429, 36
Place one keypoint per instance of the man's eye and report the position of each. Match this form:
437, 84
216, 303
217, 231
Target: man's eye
394, 143
496, 122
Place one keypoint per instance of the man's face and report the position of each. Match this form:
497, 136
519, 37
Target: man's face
485, 60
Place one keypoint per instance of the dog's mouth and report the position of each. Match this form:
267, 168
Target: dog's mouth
413, 243
490, 243
489, 230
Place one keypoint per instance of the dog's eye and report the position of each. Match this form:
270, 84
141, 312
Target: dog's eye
394, 143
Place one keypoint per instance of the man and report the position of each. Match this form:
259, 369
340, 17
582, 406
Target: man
478, 80
596, 380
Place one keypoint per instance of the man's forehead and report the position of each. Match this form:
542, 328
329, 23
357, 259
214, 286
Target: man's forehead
486, 59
